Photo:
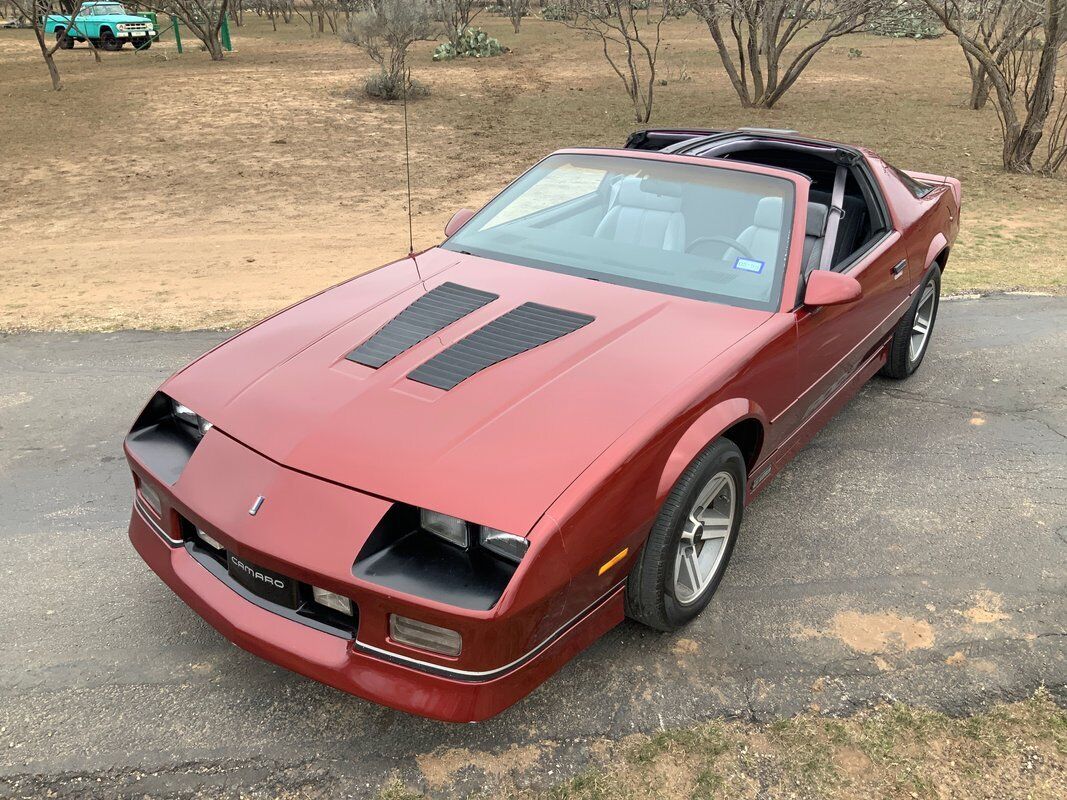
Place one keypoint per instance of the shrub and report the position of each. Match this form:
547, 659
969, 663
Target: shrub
905, 21
385, 32
557, 13
384, 86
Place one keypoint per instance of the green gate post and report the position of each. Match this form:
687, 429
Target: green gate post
155, 23
226, 35
177, 36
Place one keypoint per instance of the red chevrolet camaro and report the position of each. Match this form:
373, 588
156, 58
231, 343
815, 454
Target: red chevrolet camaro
432, 485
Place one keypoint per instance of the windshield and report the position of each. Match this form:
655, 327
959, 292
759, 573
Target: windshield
707, 232
105, 10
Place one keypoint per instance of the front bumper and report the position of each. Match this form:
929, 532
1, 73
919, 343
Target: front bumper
390, 679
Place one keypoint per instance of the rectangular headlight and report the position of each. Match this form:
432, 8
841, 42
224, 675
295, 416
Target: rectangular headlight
506, 545
424, 636
335, 601
449, 528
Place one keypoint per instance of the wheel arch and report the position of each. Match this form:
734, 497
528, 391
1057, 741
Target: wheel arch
937, 251
739, 419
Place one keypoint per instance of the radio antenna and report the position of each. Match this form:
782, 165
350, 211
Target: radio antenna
407, 168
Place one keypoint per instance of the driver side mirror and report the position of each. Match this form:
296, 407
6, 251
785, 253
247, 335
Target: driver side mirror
459, 219
827, 288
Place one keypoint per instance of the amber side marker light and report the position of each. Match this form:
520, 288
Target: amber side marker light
613, 561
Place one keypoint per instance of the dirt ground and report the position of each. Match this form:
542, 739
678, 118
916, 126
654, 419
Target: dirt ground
166, 191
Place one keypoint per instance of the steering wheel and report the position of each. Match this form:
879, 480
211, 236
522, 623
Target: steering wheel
723, 240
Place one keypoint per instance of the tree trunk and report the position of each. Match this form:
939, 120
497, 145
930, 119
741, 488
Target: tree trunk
53, 73
979, 83
47, 53
979, 90
214, 45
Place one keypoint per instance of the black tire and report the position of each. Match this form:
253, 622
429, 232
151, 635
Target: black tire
109, 42
650, 588
147, 44
902, 360
65, 42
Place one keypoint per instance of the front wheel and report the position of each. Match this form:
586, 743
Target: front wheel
911, 338
691, 541
109, 42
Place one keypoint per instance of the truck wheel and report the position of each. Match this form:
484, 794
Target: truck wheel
145, 46
65, 42
109, 42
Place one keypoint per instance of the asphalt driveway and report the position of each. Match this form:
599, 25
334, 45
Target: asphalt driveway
914, 551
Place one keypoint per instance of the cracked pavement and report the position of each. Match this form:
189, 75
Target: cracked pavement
914, 551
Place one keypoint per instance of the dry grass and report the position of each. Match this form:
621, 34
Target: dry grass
1010, 751
170, 192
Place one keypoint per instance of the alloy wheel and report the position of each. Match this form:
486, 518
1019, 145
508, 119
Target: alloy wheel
924, 319
705, 534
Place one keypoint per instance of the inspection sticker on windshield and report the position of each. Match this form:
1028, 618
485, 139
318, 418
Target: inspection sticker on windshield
749, 265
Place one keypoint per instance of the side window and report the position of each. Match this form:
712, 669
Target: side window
863, 221
557, 187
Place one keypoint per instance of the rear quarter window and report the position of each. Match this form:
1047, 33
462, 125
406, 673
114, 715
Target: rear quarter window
917, 188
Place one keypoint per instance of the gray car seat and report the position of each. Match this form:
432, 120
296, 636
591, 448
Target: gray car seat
761, 238
647, 213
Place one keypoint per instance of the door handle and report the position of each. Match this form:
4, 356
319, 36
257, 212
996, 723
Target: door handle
899, 268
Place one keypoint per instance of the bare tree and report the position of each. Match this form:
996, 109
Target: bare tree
1002, 27
515, 11
630, 46
753, 37
1023, 80
1056, 155
36, 11
385, 32
203, 17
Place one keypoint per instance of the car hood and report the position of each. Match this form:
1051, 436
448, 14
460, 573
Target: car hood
117, 18
502, 445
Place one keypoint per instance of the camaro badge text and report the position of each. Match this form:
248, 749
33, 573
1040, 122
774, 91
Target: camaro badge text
256, 505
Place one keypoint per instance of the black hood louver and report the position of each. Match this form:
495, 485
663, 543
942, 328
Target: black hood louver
431, 313
521, 329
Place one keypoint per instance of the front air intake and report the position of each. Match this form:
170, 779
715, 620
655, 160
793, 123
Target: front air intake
431, 313
521, 329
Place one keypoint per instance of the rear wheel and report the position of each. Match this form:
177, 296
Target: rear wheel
691, 541
65, 42
911, 339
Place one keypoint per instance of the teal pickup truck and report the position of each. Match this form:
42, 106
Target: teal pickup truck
105, 24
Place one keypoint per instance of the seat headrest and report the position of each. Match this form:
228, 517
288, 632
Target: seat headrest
816, 224
649, 194
768, 213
